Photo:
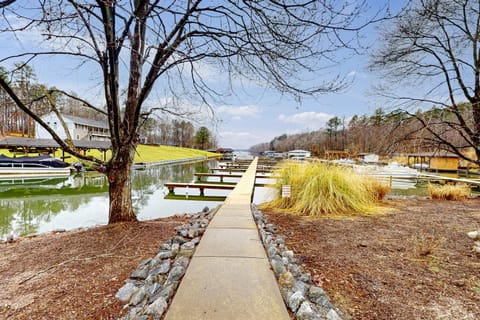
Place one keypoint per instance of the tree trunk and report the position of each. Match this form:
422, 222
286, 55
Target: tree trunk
119, 176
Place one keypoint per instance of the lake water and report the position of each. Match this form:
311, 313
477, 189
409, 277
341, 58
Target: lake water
42, 205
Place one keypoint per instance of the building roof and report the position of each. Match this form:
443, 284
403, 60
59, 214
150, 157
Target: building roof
50, 143
84, 121
436, 154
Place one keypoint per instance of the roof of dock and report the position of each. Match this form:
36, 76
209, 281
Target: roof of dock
50, 143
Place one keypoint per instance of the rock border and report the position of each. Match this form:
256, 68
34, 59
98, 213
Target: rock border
300, 294
151, 287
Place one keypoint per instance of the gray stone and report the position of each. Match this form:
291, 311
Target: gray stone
154, 289
289, 255
179, 240
333, 315
165, 247
315, 293
140, 274
299, 286
204, 223
133, 313
306, 277
163, 255
145, 262
184, 233
175, 274
192, 232
163, 268
318, 296
270, 228
157, 308
294, 269
278, 267
279, 240
295, 300
125, 292
272, 251
306, 312
181, 261
175, 249
168, 291
285, 261
138, 296
186, 249
206, 209
268, 238
195, 241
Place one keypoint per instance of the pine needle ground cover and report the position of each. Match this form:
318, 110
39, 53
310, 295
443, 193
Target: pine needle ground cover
323, 189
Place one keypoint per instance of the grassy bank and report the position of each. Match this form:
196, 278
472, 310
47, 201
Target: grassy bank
323, 189
145, 153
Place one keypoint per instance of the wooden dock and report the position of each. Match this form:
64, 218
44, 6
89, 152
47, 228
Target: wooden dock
225, 175
213, 170
229, 276
172, 185
202, 186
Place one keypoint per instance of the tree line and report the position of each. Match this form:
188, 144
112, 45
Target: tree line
14, 121
384, 133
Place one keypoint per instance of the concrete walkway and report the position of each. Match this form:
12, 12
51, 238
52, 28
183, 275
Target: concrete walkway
229, 276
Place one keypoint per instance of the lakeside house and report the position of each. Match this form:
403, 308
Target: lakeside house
79, 128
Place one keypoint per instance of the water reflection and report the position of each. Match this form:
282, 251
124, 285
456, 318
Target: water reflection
44, 204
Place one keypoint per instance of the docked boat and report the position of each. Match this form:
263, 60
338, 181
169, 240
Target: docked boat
33, 166
393, 170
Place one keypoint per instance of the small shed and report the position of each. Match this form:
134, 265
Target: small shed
434, 161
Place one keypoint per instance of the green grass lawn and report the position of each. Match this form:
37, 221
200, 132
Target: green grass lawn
145, 153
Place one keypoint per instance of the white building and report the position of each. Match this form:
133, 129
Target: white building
298, 154
79, 128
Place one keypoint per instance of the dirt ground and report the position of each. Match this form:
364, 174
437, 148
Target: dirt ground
75, 275
413, 262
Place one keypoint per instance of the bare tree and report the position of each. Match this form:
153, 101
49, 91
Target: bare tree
139, 43
433, 49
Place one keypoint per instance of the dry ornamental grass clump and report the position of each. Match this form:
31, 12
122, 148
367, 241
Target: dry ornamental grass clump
322, 189
449, 192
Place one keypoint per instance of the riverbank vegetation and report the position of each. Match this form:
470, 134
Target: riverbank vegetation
449, 192
323, 189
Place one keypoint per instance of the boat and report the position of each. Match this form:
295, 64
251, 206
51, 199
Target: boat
393, 170
33, 166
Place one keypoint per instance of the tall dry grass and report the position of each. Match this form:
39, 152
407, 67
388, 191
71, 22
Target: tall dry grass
323, 189
449, 192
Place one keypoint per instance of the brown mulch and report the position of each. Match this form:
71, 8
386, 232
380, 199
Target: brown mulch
413, 262
75, 275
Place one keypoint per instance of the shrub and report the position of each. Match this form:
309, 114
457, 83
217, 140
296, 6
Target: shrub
318, 188
449, 192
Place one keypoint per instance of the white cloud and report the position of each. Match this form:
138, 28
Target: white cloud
239, 111
239, 139
308, 119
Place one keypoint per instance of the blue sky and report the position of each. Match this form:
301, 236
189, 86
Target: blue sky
252, 115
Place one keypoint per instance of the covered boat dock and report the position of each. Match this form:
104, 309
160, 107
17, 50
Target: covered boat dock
48, 146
